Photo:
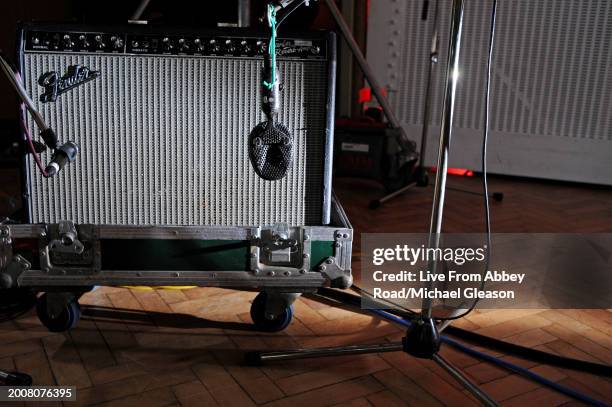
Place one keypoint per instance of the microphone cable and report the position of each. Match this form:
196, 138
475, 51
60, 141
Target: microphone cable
475, 338
485, 184
273, 23
272, 46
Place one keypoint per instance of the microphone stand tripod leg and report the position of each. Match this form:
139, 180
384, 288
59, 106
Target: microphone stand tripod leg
375, 204
422, 338
258, 358
464, 381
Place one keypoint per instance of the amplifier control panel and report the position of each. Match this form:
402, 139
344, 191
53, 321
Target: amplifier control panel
175, 44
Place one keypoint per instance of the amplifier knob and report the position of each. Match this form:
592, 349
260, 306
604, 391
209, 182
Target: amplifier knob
229, 46
99, 42
83, 41
183, 45
167, 44
262, 47
199, 47
35, 40
214, 47
54, 42
246, 48
67, 41
116, 42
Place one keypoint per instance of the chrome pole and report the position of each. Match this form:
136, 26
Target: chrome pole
257, 358
142, 6
433, 60
244, 13
465, 382
452, 74
363, 64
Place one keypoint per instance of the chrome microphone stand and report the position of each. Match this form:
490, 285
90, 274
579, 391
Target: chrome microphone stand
420, 176
422, 339
452, 73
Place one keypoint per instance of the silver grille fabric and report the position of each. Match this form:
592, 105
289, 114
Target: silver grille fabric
163, 141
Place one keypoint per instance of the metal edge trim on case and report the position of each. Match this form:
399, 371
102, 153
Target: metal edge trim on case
171, 232
26, 176
241, 279
338, 268
329, 130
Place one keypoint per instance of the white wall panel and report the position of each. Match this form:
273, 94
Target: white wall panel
551, 89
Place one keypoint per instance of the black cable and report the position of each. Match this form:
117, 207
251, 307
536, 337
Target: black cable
529, 353
382, 302
485, 186
483, 340
504, 364
15, 302
345, 298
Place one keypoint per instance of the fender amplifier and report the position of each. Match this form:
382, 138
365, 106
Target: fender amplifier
162, 118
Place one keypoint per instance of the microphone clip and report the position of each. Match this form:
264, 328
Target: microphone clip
62, 155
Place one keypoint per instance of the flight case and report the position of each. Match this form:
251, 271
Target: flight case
65, 260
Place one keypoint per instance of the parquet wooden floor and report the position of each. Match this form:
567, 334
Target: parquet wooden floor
170, 348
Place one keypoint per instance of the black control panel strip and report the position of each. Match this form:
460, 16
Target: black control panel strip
159, 44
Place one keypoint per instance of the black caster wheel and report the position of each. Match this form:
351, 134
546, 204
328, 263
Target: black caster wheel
263, 322
66, 320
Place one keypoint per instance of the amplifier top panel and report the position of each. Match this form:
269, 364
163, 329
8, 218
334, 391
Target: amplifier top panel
230, 42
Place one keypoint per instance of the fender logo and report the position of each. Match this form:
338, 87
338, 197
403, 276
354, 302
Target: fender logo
55, 85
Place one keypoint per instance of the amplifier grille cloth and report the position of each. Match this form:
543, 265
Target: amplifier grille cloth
164, 141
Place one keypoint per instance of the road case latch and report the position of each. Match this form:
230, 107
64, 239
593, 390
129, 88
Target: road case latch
68, 250
67, 240
11, 266
6, 247
337, 268
280, 249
